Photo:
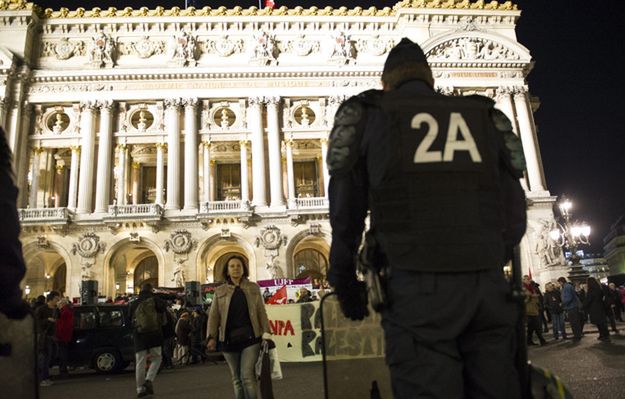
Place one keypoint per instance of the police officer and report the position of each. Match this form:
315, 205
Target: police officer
440, 176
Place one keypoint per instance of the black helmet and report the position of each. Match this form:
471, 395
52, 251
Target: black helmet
405, 51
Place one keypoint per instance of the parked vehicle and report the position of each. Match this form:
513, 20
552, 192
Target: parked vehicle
102, 338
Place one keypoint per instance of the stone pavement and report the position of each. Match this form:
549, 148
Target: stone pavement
591, 369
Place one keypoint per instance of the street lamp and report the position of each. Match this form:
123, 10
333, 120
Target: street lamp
570, 234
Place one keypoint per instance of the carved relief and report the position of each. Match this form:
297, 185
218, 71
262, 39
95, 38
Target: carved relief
271, 238
87, 247
224, 46
375, 45
180, 242
301, 46
264, 49
182, 49
343, 50
101, 51
471, 48
145, 48
546, 248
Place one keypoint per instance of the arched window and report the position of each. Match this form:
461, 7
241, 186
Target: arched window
310, 262
146, 272
58, 280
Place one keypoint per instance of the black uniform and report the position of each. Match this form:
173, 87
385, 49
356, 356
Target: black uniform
440, 177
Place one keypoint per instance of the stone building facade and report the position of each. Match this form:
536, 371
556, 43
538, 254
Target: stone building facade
152, 144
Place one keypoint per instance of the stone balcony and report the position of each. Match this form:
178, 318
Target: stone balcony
307, 205
48, 216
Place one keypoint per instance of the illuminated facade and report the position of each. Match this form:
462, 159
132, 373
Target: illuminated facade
150, 144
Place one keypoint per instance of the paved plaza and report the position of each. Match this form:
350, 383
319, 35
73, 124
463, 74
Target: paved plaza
591, 369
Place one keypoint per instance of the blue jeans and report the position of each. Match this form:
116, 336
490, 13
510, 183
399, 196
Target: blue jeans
242, 367
557, 323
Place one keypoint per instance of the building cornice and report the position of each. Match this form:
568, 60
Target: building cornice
128, 12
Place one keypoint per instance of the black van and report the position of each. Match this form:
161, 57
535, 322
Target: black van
102, 338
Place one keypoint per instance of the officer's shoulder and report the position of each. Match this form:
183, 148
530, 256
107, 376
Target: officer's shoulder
369, 97
487, 101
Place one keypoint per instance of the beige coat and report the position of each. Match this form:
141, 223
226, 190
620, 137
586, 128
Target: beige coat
218, 316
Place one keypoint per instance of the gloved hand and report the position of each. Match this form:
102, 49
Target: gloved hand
352, 296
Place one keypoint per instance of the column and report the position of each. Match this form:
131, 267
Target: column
172, 125
258, 151
59, 182
190, 155
34, 177
324, 166
121, 175
206, 166
160, 173
21, 150
528, 138
504, 103
87, 134
103, 181
289, 173
275, 163
2, 112
213, 180
73, 178
245, 189
136, 182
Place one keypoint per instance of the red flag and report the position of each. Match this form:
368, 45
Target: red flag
279, 298
270, 4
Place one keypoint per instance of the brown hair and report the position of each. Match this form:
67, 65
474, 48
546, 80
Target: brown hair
408, 71
246, 271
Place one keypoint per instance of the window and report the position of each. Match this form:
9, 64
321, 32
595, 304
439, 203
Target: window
148, 184
306, 179
310, 262
228, 182
85, 320
111, 318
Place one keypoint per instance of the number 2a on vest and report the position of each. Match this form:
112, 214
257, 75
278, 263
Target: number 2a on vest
459, 138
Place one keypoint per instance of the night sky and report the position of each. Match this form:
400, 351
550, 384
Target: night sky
579, 50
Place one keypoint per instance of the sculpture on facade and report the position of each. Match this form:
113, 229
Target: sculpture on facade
179, 277
343, 51
87, 248
182, 49
471, 48
263, 49
101, 51
180, 243
546, 248
271, 238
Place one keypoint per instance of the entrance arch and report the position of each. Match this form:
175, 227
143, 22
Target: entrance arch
310, 251
48, 268
130, 263
213, 253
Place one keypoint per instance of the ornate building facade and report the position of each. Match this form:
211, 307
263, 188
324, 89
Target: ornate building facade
151, 144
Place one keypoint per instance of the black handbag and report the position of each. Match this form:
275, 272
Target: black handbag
240, 334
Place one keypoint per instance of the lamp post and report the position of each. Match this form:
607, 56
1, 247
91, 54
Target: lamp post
570, 234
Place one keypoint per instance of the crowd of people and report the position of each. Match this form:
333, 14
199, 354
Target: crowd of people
577, 303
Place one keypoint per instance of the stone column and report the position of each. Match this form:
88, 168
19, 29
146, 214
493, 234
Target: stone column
245, 189
290, 173
87, 155
190, 155
213, 180
160, 173
258, 151
34, 177
121, 175
172, 124
273, 142
206, 170
504, 103
59, 183
136, 182
324, 166
528, 138
105, 153
2, 112
73, 178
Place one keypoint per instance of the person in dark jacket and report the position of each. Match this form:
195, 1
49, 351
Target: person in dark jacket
612, 298
595, 307
45, 317
183, 338
149, 342
571, 304
440, 177
553, 304
12, 266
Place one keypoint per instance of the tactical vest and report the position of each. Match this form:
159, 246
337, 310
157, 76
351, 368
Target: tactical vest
436, 203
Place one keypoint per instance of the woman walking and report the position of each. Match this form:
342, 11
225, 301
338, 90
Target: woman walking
239, 321
595, 307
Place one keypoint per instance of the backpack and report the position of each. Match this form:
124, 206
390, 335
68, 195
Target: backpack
146, 319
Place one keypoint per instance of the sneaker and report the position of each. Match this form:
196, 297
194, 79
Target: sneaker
148, 387
46, 383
